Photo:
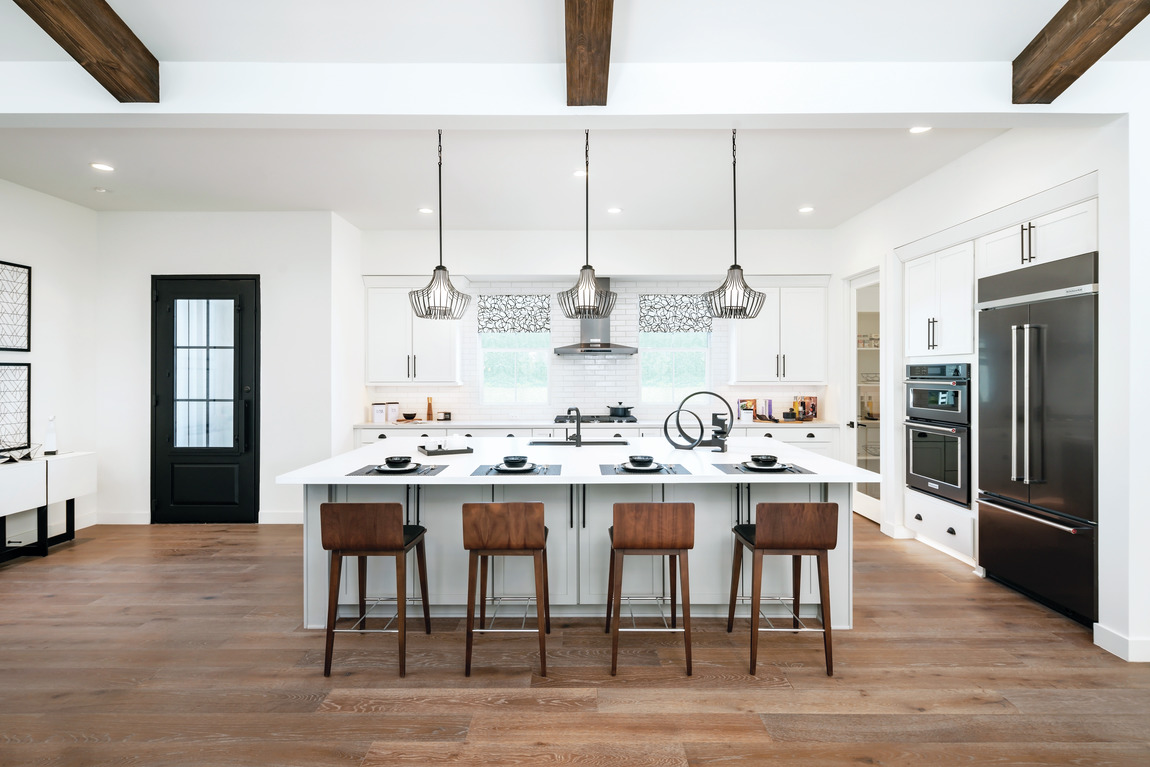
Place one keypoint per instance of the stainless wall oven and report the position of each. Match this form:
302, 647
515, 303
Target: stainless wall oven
938, 430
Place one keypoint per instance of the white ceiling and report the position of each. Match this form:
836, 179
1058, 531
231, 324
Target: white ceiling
519, 179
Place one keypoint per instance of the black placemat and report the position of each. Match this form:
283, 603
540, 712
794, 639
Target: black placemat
488, 468
738, 468
610, 469
425, 470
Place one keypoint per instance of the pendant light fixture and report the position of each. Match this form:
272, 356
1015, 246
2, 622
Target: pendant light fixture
439, 300
734, 299
586, 301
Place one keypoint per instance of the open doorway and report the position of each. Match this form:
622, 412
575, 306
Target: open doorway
865, 312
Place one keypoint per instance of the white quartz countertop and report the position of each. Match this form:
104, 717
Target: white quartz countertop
580, 465
461, 424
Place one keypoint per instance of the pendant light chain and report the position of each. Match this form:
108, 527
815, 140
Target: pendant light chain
587, 198
439, 300
586, 300
441, 198
734, 200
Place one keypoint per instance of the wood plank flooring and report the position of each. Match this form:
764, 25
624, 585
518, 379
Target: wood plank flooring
182, 645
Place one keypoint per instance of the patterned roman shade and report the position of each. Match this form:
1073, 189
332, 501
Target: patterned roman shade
673, 313
515, 314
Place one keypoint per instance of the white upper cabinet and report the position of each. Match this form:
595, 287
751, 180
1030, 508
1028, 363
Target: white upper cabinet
939, 301
404, 349
787, 342
1061, 234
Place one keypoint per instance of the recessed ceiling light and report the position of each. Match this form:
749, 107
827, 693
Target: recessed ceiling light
99, 189
806, 209
580, 173
614, 210
101, 166
920, 129
426, 210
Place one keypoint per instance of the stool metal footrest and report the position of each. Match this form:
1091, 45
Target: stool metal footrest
372, 603
496, 603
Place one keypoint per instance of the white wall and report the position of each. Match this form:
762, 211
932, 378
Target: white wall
347, 331
59, 241
291, 253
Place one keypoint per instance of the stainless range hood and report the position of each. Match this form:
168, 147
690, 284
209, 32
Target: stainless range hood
595, 336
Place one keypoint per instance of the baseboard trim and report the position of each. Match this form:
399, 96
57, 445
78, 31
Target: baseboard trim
281, 517
124, 518
1126, 648
895, 531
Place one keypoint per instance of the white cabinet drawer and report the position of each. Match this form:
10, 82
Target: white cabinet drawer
794, 435
372, 436
940, 522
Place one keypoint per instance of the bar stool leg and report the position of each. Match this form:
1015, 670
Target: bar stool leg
362, 563
756, 596
421, 560
617, 596
796, 585
472, 565
686, 585
401, 609
610, 590
825, 599
483, 591
546, 593
736, 567
332, 607
541, 609
671, 571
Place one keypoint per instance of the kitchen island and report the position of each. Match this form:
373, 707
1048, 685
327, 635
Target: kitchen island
578, 491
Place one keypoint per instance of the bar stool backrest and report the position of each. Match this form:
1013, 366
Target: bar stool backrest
796, 525
506, 526
361, 526
654, 526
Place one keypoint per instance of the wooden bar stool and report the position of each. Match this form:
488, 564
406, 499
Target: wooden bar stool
792, 529
651, 529
506, 530
365, 530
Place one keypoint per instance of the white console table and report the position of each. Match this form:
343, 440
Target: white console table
35, 484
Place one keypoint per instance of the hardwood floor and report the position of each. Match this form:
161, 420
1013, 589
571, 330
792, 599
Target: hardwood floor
181, 645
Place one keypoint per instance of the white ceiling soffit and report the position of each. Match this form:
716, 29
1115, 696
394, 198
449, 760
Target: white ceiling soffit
531, 31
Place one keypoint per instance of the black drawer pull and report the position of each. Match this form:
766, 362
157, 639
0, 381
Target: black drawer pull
810, 436
918, 517
768, 434
950, 530
510, 435
467, 435
423, 435
382, 436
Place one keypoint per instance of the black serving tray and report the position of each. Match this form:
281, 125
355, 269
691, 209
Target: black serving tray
460, 451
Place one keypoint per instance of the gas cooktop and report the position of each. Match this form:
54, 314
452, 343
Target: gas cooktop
596, 419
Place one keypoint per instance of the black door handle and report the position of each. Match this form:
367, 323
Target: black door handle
918, 517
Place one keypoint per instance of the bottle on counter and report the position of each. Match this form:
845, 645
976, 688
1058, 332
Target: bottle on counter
430, 412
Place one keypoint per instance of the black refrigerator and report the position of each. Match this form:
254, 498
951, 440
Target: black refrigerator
1038, 435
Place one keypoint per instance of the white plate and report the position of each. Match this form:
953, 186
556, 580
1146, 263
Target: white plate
504, 469
776, 467
385, 469
628, 466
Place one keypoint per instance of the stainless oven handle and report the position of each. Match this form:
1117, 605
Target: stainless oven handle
1014, 403
916, 426
1026, 403
932, 382
1040, 520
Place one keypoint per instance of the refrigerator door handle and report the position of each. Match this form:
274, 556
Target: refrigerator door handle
1026, 403
1079, 530
1014, 404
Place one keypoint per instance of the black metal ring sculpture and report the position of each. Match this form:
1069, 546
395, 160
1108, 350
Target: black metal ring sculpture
720, 437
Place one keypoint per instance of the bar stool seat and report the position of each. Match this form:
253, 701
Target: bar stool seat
365, 530
789, 529
651, 529
505, 530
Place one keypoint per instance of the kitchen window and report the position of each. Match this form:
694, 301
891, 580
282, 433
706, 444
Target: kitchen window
514, 348
674, 346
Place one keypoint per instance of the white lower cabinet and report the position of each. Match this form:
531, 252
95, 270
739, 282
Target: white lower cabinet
818, 439
370, 435
515, 576
642, 576
940, 522
777, 570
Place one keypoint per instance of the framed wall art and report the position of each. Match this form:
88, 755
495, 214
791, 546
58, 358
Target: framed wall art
15, 307
15, 405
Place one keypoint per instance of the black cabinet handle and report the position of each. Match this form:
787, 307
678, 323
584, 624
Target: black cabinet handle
571, 506
408, 375
950, 530
1022, 244
918, 517
784, 366
467, 435
414, 363
617, 435
810, 435
583, 495
510, 435
776, 366
423, 435
768, 434
381, 436
1030, 242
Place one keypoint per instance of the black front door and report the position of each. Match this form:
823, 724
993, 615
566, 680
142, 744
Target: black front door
205, 399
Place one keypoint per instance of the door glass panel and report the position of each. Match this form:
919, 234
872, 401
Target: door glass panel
935, 456
867, 366
204, 373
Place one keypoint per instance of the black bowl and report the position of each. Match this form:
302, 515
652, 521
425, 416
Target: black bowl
409, 416
764, 460
640, 460
395, 461
514, 461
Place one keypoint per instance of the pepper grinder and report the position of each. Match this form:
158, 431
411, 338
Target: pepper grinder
430, 414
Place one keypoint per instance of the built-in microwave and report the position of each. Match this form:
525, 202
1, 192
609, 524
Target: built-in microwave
939, 392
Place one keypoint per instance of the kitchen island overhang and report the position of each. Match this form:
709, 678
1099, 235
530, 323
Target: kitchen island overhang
578, 502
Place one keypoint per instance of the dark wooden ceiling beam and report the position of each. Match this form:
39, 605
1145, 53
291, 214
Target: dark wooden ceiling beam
97, 38
1078, 35
588, 24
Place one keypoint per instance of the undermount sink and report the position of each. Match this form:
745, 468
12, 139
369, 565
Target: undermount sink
571, 443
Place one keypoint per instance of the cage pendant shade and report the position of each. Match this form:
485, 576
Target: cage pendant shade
439, 300
734, 299
586, 300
